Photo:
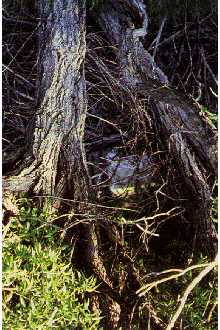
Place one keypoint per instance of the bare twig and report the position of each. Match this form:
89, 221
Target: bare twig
208, 66
146, 288
157, 39
189, 289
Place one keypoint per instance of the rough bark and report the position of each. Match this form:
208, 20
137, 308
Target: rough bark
58, 157
189, 139
58, 165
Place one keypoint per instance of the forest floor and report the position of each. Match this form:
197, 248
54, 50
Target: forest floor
42, 290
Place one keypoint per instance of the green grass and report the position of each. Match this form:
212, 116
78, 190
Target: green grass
40, 289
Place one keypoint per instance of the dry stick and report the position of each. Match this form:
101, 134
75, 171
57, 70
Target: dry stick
143, 290
208, 66
176, 34
211, 311
216, 95
167, 40
80, 202
188, 290
157, 39
17, 75
22, 46
106, 121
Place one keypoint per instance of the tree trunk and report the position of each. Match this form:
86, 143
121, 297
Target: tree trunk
56, 165
58, 158
190, 140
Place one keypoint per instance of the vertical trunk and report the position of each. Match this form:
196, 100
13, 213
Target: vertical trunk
59, 165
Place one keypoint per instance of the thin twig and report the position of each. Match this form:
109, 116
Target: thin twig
189, 289
146, 288
208, 66
157, 39
18, 75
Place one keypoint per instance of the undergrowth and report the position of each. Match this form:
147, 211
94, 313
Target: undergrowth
40, 288
42, 291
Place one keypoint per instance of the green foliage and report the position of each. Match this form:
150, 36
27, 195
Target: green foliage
40, 289
212, 117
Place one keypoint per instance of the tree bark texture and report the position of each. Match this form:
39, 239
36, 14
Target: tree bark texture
189, 139
58, 153
59, 167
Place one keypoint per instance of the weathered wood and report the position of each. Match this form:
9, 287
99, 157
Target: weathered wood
58, 151
199, 203
187, 136
140, 74
59, 166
